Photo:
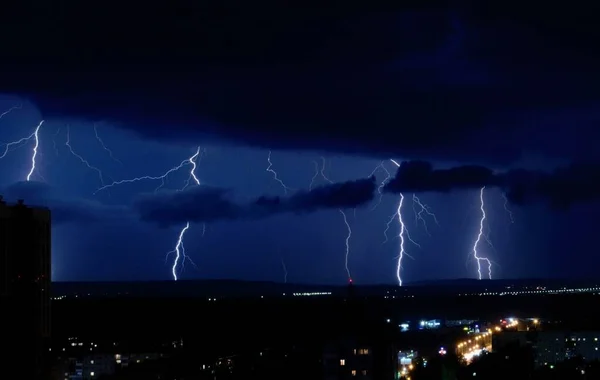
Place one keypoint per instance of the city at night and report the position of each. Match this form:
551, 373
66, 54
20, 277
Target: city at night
201, 190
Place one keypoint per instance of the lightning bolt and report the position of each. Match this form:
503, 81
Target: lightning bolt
314, 177
179, 251
163, 177
508, 211
382, 183
347, 255
13, 108
35, 149
481, 235
285, 271
192, 177
21, 141
54, 141
179, 247
321, 172
275, 176
421, 210
110, 153
83, 160
403, 234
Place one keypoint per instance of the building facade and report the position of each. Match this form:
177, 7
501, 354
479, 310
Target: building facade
25, 268
551, 347
364, 359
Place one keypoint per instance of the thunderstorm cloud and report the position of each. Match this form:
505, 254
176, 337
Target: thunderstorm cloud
562, 187
208, 204
410, 82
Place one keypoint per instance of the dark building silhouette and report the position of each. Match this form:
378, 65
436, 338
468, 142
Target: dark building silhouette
24, 288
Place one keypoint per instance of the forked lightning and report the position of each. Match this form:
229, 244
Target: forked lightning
321, 172
83, 160
276, 178
35, 136
480, 235
403, 234
179, 246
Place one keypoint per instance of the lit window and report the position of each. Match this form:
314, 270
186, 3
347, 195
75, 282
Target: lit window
355, 351
342, 361
364, 372
363, 351
353, 372
91, 373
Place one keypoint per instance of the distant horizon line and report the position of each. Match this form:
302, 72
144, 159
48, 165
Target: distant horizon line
413, 283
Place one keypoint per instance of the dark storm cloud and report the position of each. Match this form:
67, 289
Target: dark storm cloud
207, 204
576, 183
561, 188
408, 82
420, 176
64, 209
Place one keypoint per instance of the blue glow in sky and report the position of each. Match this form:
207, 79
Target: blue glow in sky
77, 158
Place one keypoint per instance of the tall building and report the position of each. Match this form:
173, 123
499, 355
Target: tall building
352, 357
24, 288
554, 346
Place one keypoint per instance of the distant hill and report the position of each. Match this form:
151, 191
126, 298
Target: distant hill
182, 288
238, 288
503, 282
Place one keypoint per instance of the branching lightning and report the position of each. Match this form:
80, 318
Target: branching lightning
321, 172
314, 177
110, 153
192, 177
276, 176
508, 211
388, 175
163, 177
21, 141
403, 234
481, 235
83, 160
421, 210
179, 252
179, 247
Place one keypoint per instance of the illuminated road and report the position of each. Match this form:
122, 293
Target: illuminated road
475, 344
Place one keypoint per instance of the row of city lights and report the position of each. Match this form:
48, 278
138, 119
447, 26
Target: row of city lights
594, 290
474, 347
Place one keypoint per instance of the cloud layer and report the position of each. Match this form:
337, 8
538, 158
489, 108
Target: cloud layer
579, 182
209, 204
64, 209
561, 188
406, 83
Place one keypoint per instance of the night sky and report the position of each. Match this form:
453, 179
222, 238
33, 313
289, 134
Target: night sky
348, 89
